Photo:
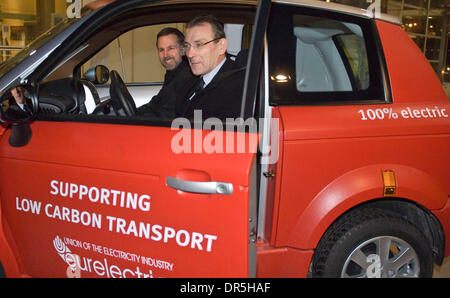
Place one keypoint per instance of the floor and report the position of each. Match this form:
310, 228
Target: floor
442, 271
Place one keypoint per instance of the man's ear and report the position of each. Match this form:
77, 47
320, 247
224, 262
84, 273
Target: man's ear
223, 43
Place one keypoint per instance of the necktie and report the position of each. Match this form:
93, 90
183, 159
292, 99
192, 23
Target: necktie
27, 109
198, 87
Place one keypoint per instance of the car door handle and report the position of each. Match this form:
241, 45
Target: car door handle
212, 187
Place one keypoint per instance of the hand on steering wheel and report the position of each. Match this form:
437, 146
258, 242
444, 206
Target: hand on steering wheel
120, 96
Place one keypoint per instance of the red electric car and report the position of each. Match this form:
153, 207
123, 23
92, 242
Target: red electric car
338, 166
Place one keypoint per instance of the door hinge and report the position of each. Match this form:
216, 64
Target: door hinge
269, 174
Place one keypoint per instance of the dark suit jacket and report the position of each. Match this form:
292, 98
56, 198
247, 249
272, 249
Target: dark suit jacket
14, 112
221, 98
162, 105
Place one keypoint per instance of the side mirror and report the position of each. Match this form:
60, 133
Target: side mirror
19, 106
98, 74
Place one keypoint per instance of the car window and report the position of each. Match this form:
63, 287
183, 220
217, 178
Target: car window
9, 64
354, 56
325, 58
328, 54
125, 48
134, 55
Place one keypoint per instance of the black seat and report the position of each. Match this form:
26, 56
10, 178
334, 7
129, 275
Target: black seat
241, 59
61, 96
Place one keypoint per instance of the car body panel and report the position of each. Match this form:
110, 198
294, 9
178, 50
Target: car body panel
408, 76
405, 137
122, 158
331, 159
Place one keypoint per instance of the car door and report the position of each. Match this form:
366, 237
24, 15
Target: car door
97, 198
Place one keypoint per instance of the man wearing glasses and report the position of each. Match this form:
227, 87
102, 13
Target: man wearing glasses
217, 89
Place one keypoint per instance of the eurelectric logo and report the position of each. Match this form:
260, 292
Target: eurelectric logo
64, 252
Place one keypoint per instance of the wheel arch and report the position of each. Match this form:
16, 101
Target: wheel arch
417, 215
417, 193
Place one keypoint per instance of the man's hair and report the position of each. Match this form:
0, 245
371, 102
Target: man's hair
169, 30
216, 25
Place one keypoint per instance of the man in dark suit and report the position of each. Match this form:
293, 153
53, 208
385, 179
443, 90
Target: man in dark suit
169, 43
217, 90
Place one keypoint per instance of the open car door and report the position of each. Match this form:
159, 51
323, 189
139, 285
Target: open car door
102, 199
96, 197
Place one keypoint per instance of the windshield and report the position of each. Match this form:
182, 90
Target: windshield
9, 64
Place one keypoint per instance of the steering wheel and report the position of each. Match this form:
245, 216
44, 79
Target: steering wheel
120, 96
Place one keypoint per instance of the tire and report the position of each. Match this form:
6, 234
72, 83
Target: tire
2, 271
372, 243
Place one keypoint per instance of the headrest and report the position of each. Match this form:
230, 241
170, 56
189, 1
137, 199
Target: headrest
241, 59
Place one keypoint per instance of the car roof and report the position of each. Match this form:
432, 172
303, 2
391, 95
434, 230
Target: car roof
342, 9
336, 7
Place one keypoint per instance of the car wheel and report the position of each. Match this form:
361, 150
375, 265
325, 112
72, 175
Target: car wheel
372, 243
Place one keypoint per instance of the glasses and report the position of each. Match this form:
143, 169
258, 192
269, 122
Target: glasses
187, 46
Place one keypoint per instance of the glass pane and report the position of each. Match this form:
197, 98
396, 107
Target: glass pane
435, 66
437, 4
415, 23
394, 7
435, 27
447, 65
6, 54
420, 41
330, 55
416, 3
447, 74
433, 48
355, 51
